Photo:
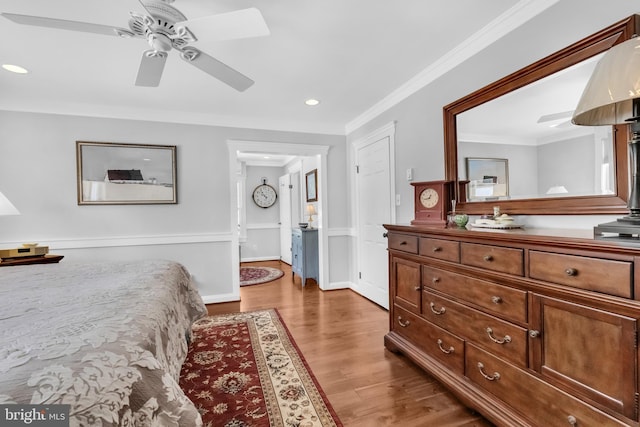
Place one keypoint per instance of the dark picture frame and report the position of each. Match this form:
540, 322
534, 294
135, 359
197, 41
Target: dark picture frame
311, 180
126, 174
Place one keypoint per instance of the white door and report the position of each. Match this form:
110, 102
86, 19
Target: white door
374, 206
284, 185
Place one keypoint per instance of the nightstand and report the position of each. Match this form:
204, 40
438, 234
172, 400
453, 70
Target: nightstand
46, 259
304, 254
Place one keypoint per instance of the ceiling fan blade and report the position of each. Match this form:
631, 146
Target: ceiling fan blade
62, 24
144, 6
151, 67
226, 26
555, 116
217, 69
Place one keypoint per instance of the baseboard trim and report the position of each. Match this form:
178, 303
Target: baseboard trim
337, 285
260, 258
215, 299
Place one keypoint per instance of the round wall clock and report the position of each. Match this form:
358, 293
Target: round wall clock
432, 200
264, 195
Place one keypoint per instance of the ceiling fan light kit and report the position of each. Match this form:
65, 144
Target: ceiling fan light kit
165, 28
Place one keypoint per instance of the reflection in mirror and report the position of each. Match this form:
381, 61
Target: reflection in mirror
481, 125
530, 128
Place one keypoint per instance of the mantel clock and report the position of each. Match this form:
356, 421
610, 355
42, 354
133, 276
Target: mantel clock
431, 202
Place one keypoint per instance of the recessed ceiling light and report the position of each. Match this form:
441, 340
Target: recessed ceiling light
312, 102
15, 68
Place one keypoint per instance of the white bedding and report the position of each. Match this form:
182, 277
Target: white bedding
107, 339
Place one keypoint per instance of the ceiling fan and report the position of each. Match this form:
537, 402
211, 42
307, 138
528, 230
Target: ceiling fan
165, 28
562, 119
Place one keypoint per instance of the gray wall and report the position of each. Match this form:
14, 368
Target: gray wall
38, 171
263, 232
523, 164
38, 174
419, 127
569, 163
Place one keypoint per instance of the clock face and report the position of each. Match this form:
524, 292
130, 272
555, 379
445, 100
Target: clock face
429, 197
264, 196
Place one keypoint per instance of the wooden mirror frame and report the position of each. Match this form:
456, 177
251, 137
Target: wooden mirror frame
580, 205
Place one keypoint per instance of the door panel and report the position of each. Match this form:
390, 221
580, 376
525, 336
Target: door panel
373, 185
586, 350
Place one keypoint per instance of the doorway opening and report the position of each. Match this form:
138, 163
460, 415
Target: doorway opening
316, 155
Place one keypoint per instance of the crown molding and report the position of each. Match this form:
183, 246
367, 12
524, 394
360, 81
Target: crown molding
514, 17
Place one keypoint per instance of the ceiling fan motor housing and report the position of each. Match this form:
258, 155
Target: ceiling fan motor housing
159, 28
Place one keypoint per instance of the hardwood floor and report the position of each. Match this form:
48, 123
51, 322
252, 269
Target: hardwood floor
340, 334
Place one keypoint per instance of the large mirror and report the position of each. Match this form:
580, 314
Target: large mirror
512, 143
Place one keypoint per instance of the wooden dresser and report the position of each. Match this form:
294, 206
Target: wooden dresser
528, 327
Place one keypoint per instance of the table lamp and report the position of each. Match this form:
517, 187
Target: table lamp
611, 97
311, 211
6, 207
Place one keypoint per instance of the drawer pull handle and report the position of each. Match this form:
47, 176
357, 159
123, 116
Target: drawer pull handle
438, 312
572, 420
445, 350
494, 377
488, 258
534, 334
505, 340
571, 272
437, 249
435, 280
403, 324
416, 288
403, 243
385, 235
496, 300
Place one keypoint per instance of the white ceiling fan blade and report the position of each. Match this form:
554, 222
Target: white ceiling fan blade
226, 26
145, 7
62, 24
555, 116
217, 69
151, 67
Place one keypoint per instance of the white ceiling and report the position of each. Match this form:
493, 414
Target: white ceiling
356, 56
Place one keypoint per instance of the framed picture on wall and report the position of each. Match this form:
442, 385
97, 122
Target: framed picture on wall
121, 174
312, 185
488, 178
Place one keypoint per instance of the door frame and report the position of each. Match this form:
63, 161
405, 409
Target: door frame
386, 131
285, 253
305, 150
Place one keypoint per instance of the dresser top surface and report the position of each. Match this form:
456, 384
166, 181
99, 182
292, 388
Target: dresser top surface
573, 237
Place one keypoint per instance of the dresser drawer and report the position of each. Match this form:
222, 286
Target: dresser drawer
448, 250
594, 274
434, 341
518, 388
403, 242
495, 258
507, 303
496, 335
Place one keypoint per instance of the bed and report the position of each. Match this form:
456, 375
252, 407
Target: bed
108, 339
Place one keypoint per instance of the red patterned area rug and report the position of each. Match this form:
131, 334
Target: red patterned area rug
244, 369
257, 275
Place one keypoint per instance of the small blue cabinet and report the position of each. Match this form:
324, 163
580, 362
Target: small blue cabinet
304, 254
